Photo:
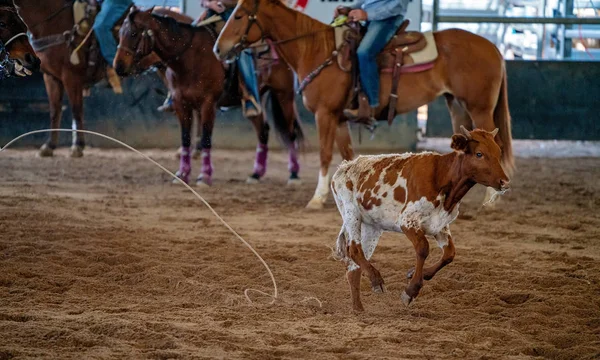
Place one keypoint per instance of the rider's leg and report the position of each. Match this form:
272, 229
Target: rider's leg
379, 33
246, 66
111, 12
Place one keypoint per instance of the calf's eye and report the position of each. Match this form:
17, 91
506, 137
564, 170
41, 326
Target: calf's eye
479, 155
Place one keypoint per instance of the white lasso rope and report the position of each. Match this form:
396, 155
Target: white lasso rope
275, 292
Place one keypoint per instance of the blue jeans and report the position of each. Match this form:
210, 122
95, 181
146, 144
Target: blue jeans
246, 66
111, 12
379, 33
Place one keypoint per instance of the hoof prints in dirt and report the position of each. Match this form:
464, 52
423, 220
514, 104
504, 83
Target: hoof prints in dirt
126, 266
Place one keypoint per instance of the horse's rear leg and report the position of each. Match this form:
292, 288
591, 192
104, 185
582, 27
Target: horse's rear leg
207, 114
184, 115
327, 126
74, 91
260, 161
54, 89
458, 114
198, 149
294, 134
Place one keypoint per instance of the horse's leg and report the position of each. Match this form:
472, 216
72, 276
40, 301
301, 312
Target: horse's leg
207, 114
421, 245
260, 161
55, 90
344, 141
198, 149
184, 115
444, 240
327, 126
289, 113
458, 115
74, 91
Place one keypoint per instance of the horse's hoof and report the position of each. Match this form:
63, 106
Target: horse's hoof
406, 299
181, 176
46, 151
294, 182
204, 181
202, 184
410, 273
253, 179
315, 204
76, 151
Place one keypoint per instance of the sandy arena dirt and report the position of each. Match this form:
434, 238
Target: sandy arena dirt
101, 257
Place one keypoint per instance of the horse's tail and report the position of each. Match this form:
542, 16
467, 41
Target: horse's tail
279, 121
502, 122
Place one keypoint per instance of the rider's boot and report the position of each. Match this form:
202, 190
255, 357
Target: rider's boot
364, 114
114, 80
167, 106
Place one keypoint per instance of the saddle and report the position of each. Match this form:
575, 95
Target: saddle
407, 51
84, 14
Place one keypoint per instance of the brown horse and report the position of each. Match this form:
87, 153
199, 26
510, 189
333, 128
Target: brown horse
13, 34
197, 81
469, 72
49, 22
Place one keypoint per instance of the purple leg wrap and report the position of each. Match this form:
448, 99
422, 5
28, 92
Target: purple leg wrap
260, 163
207, 169
185, 164
293, 164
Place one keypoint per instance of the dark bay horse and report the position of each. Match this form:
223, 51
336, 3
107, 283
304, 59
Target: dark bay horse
469, 71
13, 34
196, 80
49, 21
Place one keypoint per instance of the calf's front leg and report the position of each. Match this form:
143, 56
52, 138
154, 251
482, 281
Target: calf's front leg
421, 245
444, 240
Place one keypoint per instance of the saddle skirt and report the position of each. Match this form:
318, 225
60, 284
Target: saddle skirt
417, 48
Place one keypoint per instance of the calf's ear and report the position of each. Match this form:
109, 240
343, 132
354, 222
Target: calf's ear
459, 142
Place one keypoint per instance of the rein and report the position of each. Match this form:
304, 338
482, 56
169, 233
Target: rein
149, 34
243, 44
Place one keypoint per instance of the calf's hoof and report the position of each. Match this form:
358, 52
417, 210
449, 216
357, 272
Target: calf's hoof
358, 308
378, 289
406, 299
76, 151
46, 151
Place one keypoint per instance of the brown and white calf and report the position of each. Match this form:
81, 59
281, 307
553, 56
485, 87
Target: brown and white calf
416, 194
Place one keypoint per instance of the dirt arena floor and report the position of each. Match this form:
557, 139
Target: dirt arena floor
101, 257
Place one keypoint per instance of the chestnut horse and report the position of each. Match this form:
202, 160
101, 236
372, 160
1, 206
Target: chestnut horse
13, 34
196, 80
469, 71
50, 22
